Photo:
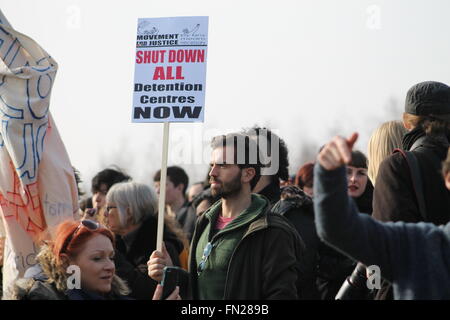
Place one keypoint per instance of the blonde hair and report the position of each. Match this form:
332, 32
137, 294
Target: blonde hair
382, 142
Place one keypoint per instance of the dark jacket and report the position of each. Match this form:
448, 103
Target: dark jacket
414, 256
272, 191
332, 270
364, 201
264, 263
297, 207
131, 263
394, 197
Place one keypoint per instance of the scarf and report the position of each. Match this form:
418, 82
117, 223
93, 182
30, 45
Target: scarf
411, 137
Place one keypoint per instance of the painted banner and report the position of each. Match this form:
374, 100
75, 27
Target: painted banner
170, 70
37, 184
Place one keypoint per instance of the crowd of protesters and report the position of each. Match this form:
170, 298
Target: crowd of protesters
250, 233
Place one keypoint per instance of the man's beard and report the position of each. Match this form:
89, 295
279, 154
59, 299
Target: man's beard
227, 189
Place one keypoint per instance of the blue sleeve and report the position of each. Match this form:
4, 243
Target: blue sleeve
339, 224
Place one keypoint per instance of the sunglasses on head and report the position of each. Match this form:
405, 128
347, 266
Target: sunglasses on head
88, 224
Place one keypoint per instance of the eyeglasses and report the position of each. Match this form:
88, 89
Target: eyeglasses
206, 252
89, 224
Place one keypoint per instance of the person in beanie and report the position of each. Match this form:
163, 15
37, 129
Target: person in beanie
427, 119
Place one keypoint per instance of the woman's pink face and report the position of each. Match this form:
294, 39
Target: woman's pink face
356, 181
96, 263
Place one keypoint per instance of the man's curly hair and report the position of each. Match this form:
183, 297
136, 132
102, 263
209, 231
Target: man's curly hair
283, 157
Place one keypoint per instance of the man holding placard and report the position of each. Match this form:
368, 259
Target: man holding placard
240, 250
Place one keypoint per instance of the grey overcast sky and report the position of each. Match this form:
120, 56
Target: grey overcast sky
308, 69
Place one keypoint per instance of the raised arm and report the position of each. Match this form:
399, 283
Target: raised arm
337, 220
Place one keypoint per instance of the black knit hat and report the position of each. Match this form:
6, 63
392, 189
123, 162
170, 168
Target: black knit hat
428, 98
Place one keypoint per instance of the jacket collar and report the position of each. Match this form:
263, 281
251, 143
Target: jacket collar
257, 207
411, 137
291, 197
417, 138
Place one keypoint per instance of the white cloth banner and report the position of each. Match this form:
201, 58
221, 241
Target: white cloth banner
37, 183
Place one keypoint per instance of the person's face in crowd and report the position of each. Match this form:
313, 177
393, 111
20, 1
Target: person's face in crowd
225, 178
99, 197
112, 218
309, 191
96, 264
194, 190
356, 181
172, 193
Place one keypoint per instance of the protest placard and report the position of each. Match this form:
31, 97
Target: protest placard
170, 69
169, 80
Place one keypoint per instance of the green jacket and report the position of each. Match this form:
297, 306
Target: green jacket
255, 257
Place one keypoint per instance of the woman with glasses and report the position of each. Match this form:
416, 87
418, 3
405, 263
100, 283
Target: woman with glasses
132, 216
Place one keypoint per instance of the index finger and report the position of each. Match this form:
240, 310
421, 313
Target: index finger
352, 139
156, 254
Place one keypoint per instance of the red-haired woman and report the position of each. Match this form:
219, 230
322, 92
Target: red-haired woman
77, 265
304, 178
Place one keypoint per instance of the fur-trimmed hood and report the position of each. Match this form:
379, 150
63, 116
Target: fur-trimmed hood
292, 198
51, 283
